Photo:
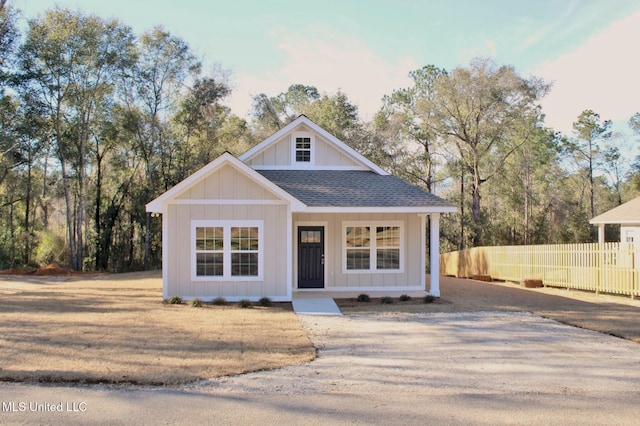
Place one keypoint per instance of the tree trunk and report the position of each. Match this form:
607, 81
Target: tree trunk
26, 258
97, 216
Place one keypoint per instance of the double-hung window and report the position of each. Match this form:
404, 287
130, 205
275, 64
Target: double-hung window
373, 246
302, 153
223, 250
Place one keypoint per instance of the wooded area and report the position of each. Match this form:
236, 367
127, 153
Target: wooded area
96, 121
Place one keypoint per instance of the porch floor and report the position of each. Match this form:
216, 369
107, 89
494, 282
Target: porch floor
353, 294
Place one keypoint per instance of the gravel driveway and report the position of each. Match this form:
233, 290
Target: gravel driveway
440, 368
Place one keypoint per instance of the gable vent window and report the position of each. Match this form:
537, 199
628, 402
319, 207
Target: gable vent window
303, 149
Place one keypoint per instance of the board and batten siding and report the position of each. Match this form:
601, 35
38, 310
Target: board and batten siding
336, 279
254, 203
279, 153
227, 183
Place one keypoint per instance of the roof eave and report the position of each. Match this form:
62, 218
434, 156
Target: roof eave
377, 209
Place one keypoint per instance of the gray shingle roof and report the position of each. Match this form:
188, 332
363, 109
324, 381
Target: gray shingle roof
351, 188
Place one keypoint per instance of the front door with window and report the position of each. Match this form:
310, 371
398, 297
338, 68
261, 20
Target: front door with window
311, 257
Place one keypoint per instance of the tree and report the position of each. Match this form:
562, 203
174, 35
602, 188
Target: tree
589, 131
71, 60
270, 114
477, 110
334, 113
164, 63
407, 118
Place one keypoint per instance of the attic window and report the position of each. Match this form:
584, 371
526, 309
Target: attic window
303, 149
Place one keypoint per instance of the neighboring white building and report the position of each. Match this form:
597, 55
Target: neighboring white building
300, 211
627, 215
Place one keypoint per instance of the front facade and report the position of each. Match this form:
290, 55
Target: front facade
301, 211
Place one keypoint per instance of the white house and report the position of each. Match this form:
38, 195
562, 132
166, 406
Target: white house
300, 211
627, 215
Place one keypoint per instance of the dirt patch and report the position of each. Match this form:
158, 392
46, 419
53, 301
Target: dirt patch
115, 329
52, 269
395, 303
615, 315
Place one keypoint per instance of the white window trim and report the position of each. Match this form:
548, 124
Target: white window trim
372, 246
227, 225
303, 164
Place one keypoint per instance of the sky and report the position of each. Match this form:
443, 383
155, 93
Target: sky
588, 49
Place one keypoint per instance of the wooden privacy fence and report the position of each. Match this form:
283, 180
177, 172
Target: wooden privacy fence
608, 268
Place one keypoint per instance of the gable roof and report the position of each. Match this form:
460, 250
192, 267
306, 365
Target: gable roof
157, 205
354, 188
627, 213
337, 143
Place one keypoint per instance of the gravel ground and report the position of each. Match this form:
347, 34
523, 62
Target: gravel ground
494, 366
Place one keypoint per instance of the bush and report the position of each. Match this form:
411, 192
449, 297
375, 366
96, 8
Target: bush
175, 300
429, 299
386, 300
244, 303
196, 303
364, 298
219, 301
405, 298
265, 301
50, 248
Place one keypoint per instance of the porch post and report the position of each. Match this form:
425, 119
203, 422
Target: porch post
601, 233
434, 255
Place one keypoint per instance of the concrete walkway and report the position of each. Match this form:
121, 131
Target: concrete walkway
315, 305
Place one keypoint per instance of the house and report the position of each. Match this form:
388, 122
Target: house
626, 215
301, 211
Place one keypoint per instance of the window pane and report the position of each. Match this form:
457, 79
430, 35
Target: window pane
209, 238
388, 236
245, 238
208, 264
244, 264
358, 236
303, 143
388, 259
310, 237
358, 259
303, 156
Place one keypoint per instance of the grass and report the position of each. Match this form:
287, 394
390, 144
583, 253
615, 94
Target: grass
115, 329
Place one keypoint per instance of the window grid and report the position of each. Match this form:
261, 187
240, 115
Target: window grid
244, 251
224, 251
209, 251
388, 247
303, 149
358, 247
372, 247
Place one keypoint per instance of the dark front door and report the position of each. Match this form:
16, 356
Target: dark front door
311, 257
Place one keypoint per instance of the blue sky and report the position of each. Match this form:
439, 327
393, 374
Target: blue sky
587, 48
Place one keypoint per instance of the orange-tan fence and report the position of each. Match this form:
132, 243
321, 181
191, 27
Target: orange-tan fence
608, 268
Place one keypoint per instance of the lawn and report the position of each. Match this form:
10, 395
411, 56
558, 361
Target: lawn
115, 329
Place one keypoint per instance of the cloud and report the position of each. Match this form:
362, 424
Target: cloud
330, 62
602, 75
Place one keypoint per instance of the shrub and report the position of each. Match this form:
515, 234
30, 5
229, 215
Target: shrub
429, 299
405, 298
50, 247
265, 301
386, 300
196, 303
364, 298
175, 300
244, 303
219, 301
